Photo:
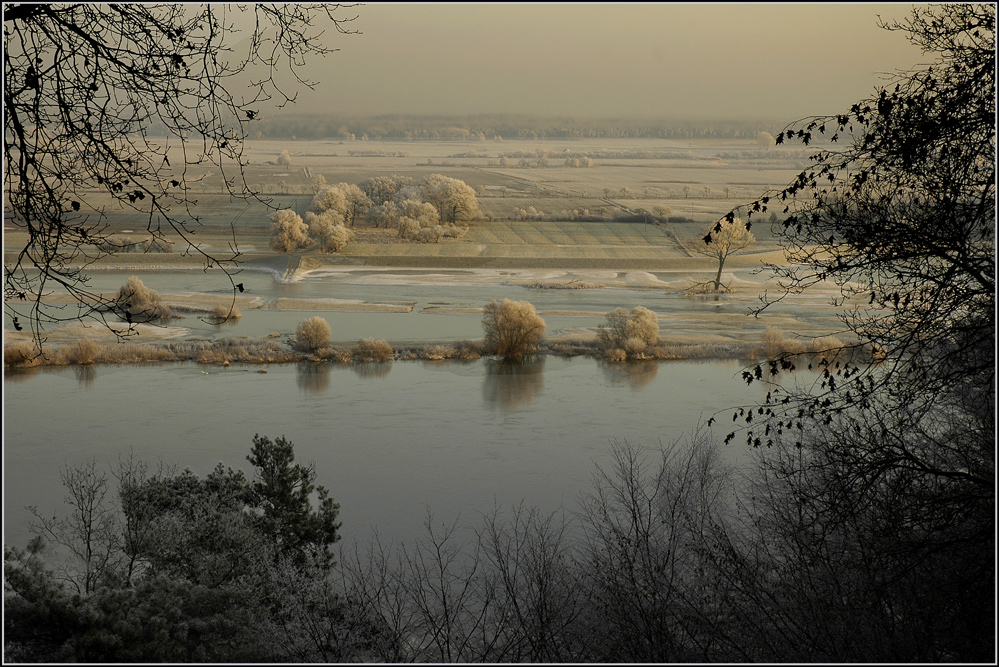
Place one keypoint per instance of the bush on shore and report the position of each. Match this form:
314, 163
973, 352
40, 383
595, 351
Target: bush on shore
312, 335
513, 328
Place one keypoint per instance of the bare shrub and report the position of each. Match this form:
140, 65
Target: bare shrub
368, 350
408, 228
84, 351
430, 234
455, 231
133, 353
665, 351
19, 354
438, 352
645, 525
471, 350
643, 324
794, 347
827, 347
773, 342
160, 245
312, 335
337, 355
572, 348
137, 303
631, 331
221, 313
615, 354
634, 346
512, 328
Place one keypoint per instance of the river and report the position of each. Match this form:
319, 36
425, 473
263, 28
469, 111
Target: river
389, 441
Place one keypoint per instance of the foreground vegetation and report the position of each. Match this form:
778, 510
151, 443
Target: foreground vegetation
669, 558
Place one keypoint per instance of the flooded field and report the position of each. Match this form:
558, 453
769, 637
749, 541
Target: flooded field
426, 305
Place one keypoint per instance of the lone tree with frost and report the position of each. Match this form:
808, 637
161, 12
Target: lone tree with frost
731, 237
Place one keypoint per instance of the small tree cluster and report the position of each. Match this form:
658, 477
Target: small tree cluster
333, 211
428, 212
382, 189
529, 213
513, 328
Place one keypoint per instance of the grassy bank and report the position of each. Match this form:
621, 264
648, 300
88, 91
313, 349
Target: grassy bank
272, 350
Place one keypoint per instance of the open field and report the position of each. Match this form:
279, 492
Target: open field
538, 220
717, 175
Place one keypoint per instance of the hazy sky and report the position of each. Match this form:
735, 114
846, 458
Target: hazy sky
778, 61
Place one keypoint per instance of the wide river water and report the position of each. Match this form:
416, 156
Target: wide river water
389, 441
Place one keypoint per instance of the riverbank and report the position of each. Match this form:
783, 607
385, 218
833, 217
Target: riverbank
276, 349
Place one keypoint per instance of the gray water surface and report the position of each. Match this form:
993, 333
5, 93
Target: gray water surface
389, 441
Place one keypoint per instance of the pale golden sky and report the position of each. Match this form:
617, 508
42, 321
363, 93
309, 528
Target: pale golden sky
763, 60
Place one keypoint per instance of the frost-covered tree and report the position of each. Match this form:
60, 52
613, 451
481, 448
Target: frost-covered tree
138, 303
346, 199
454, 199
330, 198
288, 231
319, 184
356, 203
381, 189
328, 231
385, 214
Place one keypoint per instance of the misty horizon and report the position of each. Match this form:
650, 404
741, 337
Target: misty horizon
683, 62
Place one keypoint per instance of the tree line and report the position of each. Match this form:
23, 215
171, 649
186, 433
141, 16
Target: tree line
500, 126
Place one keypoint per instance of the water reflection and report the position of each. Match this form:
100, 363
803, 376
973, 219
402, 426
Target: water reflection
373, 369
313, 378
636, 374
219, 324
18, 374
511, 384
85, 375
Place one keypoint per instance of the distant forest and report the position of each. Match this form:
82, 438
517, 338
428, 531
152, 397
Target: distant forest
492, 126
